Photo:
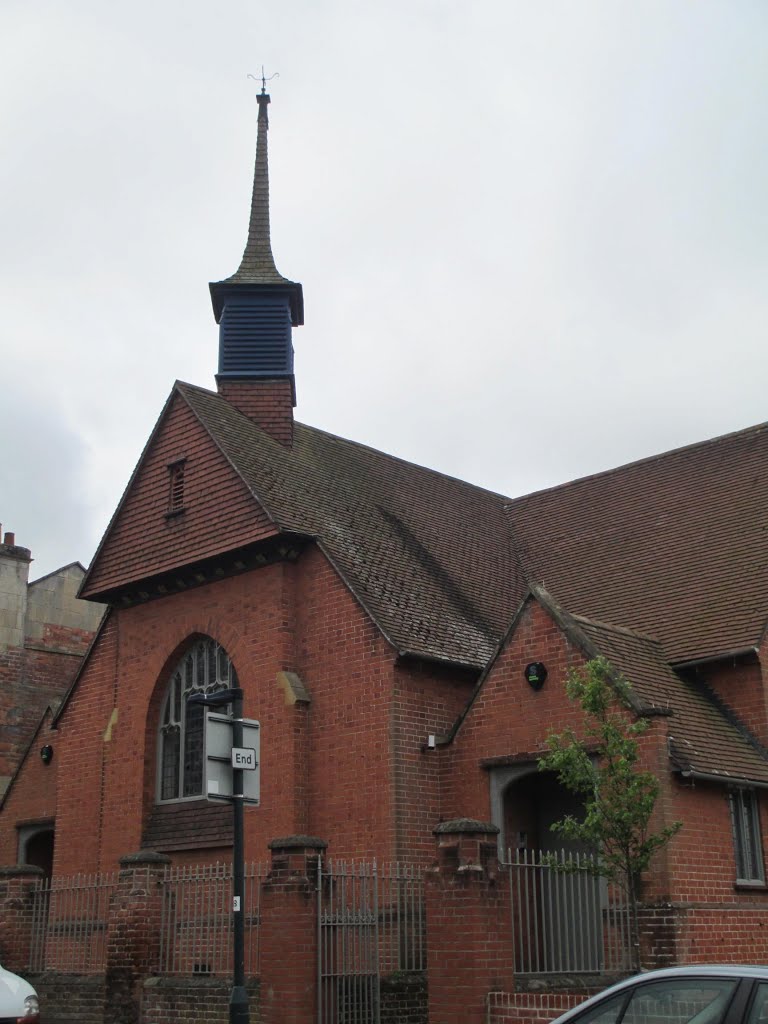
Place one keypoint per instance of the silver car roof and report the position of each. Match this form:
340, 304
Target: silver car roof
756, 971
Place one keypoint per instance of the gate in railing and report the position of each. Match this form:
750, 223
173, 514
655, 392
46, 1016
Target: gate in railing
565, 917
370, 922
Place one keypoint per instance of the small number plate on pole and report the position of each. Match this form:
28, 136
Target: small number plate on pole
236, 904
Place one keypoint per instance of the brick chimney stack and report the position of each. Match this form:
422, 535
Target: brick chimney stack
14, 578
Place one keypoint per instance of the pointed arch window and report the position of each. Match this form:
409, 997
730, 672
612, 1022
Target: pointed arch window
204, 668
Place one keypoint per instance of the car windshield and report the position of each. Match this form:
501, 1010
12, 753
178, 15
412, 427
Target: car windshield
674, 1001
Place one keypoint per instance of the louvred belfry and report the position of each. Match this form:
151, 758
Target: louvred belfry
256, 308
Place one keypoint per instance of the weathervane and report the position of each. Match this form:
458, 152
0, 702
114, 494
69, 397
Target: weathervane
264, 80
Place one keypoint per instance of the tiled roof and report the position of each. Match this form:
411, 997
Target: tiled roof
257, 266
675, 546
703, 738
424, 553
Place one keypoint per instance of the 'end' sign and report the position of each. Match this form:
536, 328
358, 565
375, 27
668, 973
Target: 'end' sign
244, 758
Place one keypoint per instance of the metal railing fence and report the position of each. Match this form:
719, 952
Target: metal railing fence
69, 923
371, 921
196, 919
565, 917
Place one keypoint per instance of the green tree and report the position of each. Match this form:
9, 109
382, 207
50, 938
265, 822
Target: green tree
601, 766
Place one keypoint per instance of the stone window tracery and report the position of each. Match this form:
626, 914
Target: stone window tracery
204, 668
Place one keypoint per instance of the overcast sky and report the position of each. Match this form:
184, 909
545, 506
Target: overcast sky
532, 234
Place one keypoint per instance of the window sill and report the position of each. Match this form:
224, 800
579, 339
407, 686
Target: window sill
746, 886
175, 513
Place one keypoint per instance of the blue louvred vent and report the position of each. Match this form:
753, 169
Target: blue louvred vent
255, 336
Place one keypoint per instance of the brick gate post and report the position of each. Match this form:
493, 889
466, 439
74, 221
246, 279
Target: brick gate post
289, 932
469, 923
17, 886
133, 934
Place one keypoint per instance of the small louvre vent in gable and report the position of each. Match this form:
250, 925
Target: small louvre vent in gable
255, 337
176, 486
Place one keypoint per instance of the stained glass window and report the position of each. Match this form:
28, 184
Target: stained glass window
205, 668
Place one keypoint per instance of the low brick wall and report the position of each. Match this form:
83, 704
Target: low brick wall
192, 1001
404, 999
70, 998
532, 1007
732, 934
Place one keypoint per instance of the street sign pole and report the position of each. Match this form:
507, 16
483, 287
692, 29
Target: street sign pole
238, 1001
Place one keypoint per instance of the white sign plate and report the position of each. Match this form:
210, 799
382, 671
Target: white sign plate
245, 758
219, 754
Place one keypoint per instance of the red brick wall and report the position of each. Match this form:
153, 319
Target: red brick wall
427, 700
532, 1007
695, 873
30, 679
508, 717
32, 795
737, 934
144, 541
80, 752
79, 997
348, 669
327, 767
192, 1001
267, 402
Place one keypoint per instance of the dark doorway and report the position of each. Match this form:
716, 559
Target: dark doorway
532, 804
559, 926
38, 851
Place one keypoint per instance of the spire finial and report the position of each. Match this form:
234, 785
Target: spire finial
257, 267
264, 80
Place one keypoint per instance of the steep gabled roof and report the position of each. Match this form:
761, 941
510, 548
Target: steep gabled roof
675, 545
424, 553
704, 737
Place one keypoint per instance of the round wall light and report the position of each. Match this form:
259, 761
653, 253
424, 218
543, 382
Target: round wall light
536, 674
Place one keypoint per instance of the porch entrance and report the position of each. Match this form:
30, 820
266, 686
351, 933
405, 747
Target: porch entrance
558, 902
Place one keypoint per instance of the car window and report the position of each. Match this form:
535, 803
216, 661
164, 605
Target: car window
680, 1001
606, 1012
759, 1012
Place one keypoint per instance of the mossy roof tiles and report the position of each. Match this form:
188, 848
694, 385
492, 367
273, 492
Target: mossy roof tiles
675, 546
424, 553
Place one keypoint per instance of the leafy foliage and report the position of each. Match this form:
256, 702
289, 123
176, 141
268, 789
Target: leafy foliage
602, 767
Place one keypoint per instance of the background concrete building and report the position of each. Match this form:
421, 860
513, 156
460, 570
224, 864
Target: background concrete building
45, 630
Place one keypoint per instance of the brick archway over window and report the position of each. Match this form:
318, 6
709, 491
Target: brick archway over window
205, 667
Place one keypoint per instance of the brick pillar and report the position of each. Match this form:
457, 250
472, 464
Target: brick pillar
133, 936
17, 885
289, 932
659, 927
469, 923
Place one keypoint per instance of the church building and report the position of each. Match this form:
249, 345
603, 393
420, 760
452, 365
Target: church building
403, 639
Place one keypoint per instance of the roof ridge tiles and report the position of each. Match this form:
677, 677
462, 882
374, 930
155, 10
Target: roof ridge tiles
635, 463
613, 627
357, 445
